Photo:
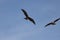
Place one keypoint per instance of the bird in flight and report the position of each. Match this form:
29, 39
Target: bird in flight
27, 17
52, 23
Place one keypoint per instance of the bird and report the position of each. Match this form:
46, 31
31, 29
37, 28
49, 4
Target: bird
52, 23
27, 17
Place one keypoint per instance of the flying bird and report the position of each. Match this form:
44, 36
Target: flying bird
52, 23
27, 17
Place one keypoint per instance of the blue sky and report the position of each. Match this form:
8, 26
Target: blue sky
13, 26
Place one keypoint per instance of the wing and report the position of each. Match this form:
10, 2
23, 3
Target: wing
25, 13
57, 20
32, 20
48, 24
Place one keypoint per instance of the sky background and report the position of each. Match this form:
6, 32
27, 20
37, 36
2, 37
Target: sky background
13, 26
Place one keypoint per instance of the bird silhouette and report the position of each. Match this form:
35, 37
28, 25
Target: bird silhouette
52, 23
27, 17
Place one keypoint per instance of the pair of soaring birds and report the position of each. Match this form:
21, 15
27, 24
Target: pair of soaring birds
32, 20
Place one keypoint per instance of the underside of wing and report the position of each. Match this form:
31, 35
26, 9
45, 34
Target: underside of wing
32, 20
25, 13
57, 20
48, 24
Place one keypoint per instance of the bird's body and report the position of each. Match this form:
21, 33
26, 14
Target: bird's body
52, 23
27, 17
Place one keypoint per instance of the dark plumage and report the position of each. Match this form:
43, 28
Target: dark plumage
25, 13
57, 20
52, 23
27, 17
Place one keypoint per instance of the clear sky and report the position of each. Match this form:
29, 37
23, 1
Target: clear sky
13, 26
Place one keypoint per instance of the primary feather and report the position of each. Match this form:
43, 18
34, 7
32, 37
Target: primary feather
51, 23
25, 13
32, 20
57, 20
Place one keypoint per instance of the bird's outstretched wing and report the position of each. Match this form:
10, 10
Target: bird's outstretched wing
25, 13
57, 20
32, 20
48, 24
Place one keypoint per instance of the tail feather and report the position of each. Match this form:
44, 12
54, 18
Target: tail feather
25, 18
